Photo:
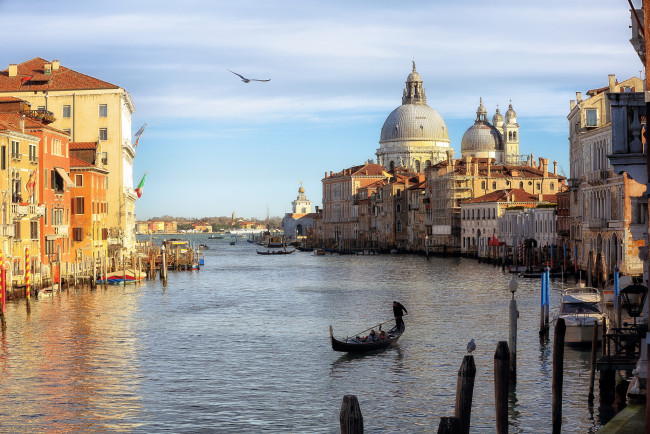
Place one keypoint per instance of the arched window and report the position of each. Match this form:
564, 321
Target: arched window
483, 185
391, 165
494, 185
510, 135
514, 135
521, 184
552, 186
427, 164
399, 225
417, 166
399, 208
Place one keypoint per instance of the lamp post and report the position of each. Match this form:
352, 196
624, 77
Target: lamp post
512, 337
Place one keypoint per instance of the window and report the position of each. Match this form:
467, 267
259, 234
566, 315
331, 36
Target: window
79, 180
494, 185
521, 184
103, 134
40, 108
57, 217
33, 230
552, 186
45, 222
17, 230
103, 110
77, 234
399, 225
78, 205
591, 117
3, 158
66, 111
56, 148
33, 158
67, 131
15, 150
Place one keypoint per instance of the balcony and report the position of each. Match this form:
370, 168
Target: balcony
16, 156
39, 210
628, 154
61, 230
597, 223
596, 176
45, 116
19, 211
8, 230
33, 159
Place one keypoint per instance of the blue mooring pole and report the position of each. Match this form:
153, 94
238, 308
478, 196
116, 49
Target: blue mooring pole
616, 289
542, 307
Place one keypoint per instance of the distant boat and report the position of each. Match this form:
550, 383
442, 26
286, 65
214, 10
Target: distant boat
276, 252
215, 237
580, 307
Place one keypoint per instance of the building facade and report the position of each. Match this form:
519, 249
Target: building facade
88, 109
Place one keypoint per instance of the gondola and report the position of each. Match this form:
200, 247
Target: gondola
276, 252
354, 345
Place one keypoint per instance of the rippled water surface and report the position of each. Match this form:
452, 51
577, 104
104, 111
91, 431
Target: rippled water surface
242, 346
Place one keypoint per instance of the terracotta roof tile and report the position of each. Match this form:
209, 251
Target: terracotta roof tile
76, 162
83, 145
62, 79
515, 194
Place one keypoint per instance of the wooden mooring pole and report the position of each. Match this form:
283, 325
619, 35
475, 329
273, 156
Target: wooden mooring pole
592, 370
512, 336
501, 385
350, 417
449, 425
558, 375
464, 392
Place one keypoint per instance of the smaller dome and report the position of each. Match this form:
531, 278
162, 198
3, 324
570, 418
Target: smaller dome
481, 137
510, 114
414, 76
497, 117
481, 108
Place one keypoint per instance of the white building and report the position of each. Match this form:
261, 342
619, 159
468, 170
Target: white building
296, 223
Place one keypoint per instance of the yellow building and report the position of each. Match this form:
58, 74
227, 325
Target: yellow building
20, 210
88, 109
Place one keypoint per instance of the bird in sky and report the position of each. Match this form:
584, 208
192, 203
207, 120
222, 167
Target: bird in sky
471, 346
247, 80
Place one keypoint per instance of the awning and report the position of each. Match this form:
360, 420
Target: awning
65, 177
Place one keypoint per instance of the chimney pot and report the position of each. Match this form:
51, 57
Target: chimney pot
578, 96
572, 104
13, 70
554, 167
612, 82
55, 65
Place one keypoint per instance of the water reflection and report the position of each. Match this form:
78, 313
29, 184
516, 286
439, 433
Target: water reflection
243, 346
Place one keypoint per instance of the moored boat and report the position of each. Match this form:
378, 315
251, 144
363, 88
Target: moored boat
580, 307
360, 345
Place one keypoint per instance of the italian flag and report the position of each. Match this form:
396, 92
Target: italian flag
140, 187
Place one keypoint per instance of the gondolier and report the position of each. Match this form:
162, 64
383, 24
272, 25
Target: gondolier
397, 312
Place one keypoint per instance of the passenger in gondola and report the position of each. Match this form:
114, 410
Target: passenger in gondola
382, 336
372, 337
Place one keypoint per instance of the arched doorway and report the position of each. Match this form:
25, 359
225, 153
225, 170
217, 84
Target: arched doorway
299, 231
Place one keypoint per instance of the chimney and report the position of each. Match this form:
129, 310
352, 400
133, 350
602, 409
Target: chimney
612, 82
330, 173
55, 65
554, 167
572, 104
578, 96
545, 167
489, 164
47, 68
13, 70
325, 174
532, 160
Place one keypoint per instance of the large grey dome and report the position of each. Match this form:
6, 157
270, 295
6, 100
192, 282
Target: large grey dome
481, 137
414, 122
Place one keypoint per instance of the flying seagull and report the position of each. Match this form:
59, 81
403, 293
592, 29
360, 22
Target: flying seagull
471, 346
247, 80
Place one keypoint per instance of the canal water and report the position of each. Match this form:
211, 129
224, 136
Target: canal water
243, 346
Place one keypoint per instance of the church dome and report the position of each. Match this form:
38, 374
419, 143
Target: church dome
414, 122
511, 115
497, 117
482, 136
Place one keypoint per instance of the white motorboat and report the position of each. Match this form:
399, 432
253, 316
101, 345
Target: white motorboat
580, 307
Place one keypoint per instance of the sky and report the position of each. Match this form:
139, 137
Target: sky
215, 145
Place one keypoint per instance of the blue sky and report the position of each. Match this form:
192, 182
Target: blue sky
215, 145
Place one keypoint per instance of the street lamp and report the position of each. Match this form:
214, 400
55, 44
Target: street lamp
426, 245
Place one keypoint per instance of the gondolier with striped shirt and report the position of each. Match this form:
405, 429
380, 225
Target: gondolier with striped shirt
397, 312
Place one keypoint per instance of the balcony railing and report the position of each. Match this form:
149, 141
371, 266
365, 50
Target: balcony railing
33, 159
8, 230
46, 116
16, 156
61, 230
19, 211
628, 153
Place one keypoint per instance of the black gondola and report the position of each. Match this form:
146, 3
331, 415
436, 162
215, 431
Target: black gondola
354, 345
276, 252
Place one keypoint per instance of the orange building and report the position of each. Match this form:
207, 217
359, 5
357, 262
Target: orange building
88, 229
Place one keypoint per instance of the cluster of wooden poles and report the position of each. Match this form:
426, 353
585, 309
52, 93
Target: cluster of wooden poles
351, 419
